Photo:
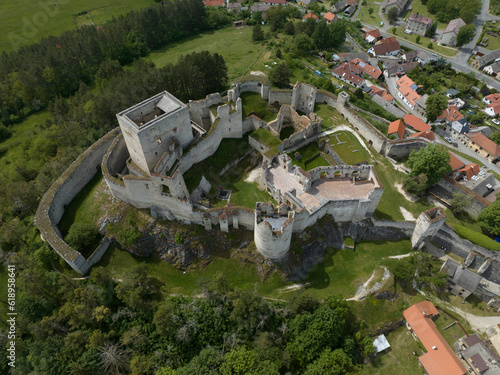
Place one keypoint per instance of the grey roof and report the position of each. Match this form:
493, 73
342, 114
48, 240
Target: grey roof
460, 127
410, 55
388, 106
472, 340
484, 130
422, 55
495, 66
422, 100
340, 6
483, 358
381, 343
486, 59
401, 68
452, 92
461, 276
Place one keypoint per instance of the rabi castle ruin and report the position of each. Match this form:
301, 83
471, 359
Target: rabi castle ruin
162, 138
145, 160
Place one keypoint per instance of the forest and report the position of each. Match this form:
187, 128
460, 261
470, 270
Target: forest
446, 11
100, 326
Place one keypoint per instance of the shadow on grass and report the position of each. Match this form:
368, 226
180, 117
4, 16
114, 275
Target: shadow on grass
382, 215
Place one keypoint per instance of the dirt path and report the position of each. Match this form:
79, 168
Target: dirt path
407, 214
408, 197
363, 290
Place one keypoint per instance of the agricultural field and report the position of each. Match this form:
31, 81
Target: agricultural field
236, 46
25, 22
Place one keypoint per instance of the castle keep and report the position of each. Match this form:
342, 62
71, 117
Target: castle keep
162, 138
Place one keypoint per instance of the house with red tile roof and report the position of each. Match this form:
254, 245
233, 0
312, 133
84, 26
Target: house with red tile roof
469, 170
440, 358
428, 135
330, 17
455, 162
310, 15
372, 36
415, 123
367, 68
274, 2
385, 47
347, 73
407, 91
451, 114
214, 3
397, 128
493, 104
483, 146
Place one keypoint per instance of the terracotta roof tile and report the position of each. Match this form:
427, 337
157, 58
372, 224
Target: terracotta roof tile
398, 127
417, 124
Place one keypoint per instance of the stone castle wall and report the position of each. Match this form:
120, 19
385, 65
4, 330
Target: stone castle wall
62, 192
280, 97
199, 110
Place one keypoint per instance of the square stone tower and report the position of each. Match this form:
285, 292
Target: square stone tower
148, 127
428, 223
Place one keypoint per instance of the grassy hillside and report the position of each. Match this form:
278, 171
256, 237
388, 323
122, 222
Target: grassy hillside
26, 22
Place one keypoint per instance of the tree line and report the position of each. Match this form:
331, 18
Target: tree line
34, 75
101, 326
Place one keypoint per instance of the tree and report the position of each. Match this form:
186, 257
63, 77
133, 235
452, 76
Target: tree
417, 39
415, 185
495, 137
114, 359
430, 45
402, 269
280, 75
489, 218
82, 236
337, 33
392, 14
460, 202
435, 105
289, 28
321, 35
432, 160
370, 11
466, 34
257, 33
330, 362
137, 287
394, 29
276, 17
302, 43
432, 30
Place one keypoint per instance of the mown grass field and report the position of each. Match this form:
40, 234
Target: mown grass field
364, 15
236, 46
27, 22
348, 147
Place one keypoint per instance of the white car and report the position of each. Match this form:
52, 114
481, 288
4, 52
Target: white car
495, 121
448, 139
407, 31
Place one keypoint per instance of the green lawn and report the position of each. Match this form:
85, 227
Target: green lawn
331, 117
253, 104
21, 133
175, 281
365, 16
450, 334
418, 7
266, 137
343, 271
235, 45
306, 153
346, 150
392, 199
83, 207
52, 19
424, 42
399, 359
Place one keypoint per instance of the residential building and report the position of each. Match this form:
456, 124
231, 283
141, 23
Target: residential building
415, 123
381, 344
418, 24
461, 282
428, 135
367, 68
330, 17
458, 128
451, 93
349, 10
493, 109
479, 355
342, 5
234, 7
484, 130
407, 91
274, 2
343, 57
457, 102
451, 114
372, 36
397, 128
455, 163
450, 33
305, 3
310, 15
214, 3
259, 8
482, 61
421, 105
483, 146
400, 69
440, 358
410, 56
399, 4
492, 99
423, 58
386, 47
350, 74
383, 94
492, 68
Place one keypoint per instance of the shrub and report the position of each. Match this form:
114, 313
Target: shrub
476, 238
179, 239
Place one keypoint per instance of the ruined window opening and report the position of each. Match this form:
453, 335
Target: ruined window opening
165, 190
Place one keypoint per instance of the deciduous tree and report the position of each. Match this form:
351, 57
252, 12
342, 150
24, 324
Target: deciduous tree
432, 160
466, 34
435, 105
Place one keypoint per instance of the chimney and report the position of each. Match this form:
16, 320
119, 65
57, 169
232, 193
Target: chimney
434, 347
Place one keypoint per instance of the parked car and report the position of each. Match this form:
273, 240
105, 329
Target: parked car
448, 139
407, 31
455, 144
495, 121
